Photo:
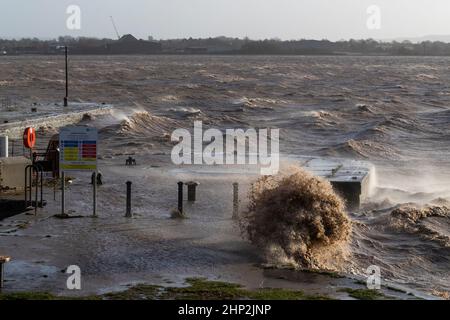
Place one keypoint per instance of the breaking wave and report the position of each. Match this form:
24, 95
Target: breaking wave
366, 149
419, 221
144, 123
402, 240
297, 219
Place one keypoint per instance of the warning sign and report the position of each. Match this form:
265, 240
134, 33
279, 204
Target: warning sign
78, 148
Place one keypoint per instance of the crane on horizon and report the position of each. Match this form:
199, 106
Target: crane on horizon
115, 28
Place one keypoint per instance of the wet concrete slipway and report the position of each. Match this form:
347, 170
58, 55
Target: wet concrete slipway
115, 252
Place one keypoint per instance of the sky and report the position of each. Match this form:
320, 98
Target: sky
256, 19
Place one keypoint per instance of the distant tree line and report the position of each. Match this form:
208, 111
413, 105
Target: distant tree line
226, 45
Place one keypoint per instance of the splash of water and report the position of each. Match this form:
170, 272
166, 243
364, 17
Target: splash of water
297, 218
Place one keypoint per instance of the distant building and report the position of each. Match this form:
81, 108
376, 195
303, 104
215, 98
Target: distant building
128, 44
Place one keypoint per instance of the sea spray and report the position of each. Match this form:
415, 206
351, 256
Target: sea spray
297, 218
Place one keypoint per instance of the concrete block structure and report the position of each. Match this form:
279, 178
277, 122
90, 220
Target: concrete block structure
12, 173
349, 178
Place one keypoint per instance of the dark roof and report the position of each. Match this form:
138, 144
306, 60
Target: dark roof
128, 38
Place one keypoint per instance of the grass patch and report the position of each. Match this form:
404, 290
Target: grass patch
28, 296
197, 289
202, 289
42, 296
138, 292
330, 274
283, 294
365, 294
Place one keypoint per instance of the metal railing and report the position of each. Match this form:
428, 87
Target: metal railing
36, 171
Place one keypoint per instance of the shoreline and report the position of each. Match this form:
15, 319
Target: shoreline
131, 252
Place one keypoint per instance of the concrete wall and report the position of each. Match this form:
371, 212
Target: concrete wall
12, 173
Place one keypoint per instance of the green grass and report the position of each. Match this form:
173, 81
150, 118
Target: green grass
330, 274
365, 294
202, 289
42, 296
28, 296
283, 294
196, 289
138, 292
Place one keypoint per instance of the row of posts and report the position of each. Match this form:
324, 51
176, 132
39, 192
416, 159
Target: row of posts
96, 179
192, 190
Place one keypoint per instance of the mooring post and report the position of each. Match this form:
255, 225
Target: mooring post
235, 200
63, 198
180, 197
128, 213
192, 187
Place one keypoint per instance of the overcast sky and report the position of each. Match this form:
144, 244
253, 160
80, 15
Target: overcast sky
285, 19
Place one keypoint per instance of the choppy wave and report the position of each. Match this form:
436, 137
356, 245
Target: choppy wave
144, 123
366, 149
421, 222
411, 244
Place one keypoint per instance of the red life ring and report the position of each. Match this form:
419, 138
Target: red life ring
29, 138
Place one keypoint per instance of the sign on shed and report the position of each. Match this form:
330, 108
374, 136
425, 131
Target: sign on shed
78, 148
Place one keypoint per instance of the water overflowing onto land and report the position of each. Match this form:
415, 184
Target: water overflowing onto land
393, 112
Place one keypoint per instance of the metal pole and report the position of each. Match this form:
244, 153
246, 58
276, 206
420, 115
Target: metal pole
41, 177
128, 213
1, 275
30, 181
36, 191
42, 189
94, 205
63, 198
55, 181
235, 200
26, 188
66, 98
180, 197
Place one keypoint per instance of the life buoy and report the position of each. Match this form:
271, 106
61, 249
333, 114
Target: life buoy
29, 138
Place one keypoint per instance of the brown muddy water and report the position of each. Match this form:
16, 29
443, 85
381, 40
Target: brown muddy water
393, 112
